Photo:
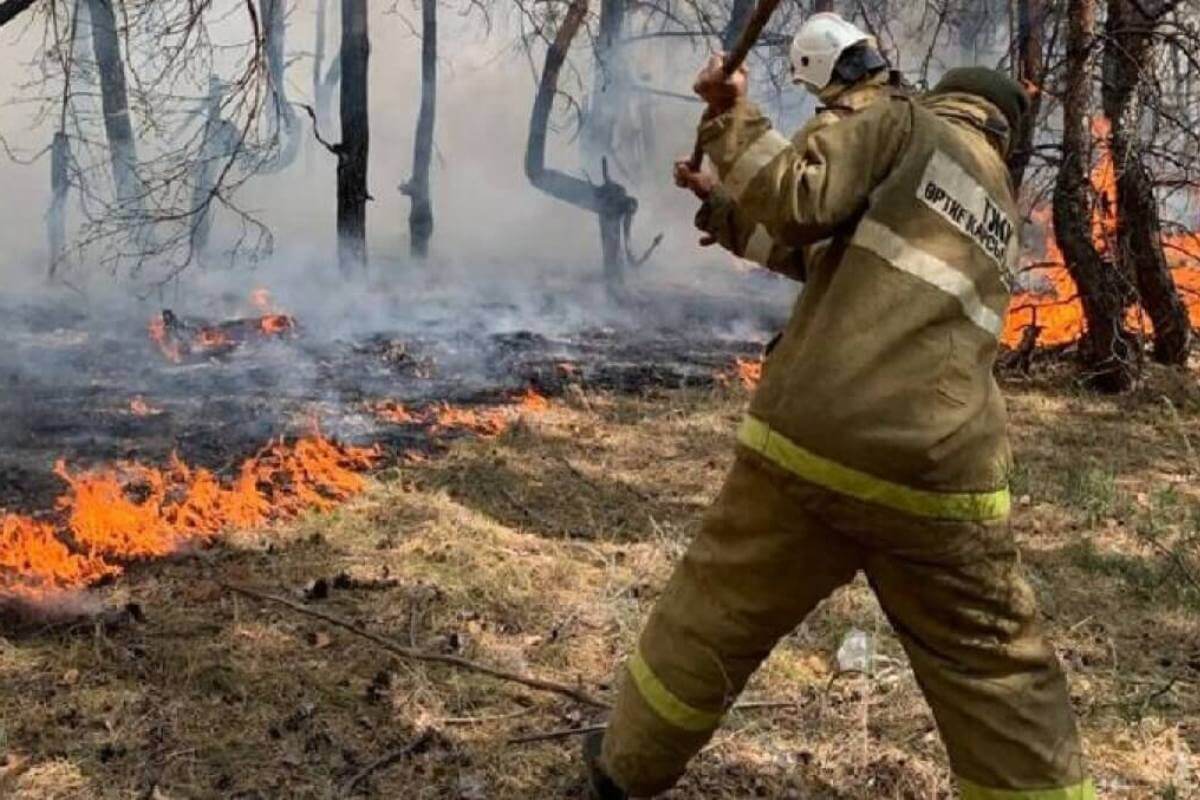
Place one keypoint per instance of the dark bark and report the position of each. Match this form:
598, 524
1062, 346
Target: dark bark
609, 200
420, 215
1030, 69
353, 152
739, 15
1139, 228
11, 9
1106, 349
60, 156
822, 5
114, 96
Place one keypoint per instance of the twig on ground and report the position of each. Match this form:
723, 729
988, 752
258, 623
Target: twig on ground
386, 761
422, 655
483, 720
563, 734
757, 705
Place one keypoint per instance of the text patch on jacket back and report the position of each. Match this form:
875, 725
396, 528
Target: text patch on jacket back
964, 203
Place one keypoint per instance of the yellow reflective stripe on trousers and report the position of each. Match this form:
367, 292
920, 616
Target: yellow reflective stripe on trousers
1080, 791
965, 506
761, 152
666, 704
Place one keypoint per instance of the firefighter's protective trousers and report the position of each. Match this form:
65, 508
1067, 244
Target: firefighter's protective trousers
769, 550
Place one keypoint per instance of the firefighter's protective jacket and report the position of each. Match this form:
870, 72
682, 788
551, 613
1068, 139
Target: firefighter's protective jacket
881, 386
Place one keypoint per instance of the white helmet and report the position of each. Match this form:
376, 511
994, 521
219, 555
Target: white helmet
818, 44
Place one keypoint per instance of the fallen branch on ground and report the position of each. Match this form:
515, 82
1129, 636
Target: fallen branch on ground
386, 761
423, 655
563, 734
755, 705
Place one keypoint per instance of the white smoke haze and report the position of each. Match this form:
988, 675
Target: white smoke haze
491, 226
511, 256
493, 229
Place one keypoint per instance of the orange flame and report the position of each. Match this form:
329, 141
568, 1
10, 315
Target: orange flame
393, 411
746, 371
261, 299
1058, 310
212, 337
533, 401
158, 333
33, 560
445, 418
140, 408
275, 324
132, 511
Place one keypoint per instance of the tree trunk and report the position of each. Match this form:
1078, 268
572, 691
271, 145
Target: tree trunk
11, 9
114, 99
1030, 70
609, 200
352, 194
274, 16
324, 80
739, 15
1139, 230
1106, 349
221, 140
420, 215
820, 6
56, 224
609, 84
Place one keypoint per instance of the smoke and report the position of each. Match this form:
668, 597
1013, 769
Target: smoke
490, 222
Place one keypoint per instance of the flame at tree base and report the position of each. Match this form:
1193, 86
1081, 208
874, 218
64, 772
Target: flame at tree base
132, 512
1056, 308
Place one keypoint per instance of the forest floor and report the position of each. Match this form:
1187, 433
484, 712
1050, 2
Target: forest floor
541, 551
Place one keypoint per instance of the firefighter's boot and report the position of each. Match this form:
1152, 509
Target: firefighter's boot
600, 786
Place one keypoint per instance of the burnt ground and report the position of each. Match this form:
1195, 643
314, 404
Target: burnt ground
70, 375
542, 551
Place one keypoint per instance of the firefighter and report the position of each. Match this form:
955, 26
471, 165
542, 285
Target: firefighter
842, 67
875, 442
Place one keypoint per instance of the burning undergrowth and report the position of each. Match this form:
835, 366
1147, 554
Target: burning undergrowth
122, 447
1047, 309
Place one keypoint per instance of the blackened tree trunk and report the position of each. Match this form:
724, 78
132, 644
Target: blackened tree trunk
274, 15
114, 97
1106, 349
609, 201
1030, 69
11, 9
352, 153
420, 215
1127, 52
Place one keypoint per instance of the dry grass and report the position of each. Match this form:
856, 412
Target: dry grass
542, 551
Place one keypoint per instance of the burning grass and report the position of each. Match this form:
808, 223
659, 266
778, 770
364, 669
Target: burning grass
540, 550
133, 512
